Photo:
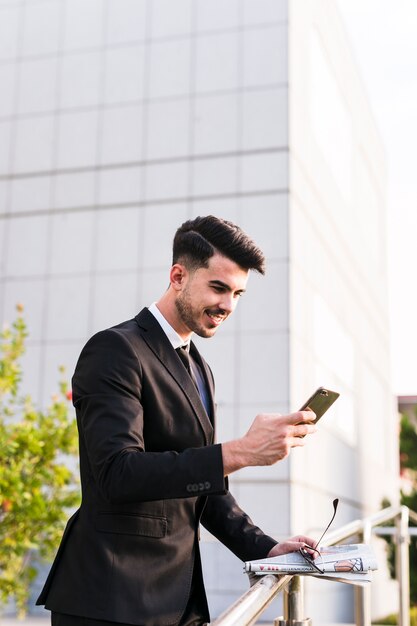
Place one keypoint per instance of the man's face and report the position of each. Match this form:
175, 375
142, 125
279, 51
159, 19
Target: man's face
209, 295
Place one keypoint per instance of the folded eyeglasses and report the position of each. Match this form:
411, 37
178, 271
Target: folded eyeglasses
306, 555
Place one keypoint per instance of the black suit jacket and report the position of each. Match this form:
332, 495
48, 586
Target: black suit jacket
150, 472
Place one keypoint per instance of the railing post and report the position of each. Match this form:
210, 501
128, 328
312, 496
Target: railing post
403, 567
363, 594
294, 605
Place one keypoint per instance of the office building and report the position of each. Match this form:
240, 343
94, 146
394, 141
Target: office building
120, 119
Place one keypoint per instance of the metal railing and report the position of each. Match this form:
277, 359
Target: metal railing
250, 606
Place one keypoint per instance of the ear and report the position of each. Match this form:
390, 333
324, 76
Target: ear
178, 276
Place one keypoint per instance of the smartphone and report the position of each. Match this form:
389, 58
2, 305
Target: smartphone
321, 400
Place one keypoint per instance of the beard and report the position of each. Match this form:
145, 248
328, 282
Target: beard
189, 315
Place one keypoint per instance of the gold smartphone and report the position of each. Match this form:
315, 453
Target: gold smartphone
321, 400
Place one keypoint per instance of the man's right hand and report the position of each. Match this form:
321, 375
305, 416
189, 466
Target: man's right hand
268, 440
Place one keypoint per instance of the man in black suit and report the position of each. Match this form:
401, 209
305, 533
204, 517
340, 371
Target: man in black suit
151, 471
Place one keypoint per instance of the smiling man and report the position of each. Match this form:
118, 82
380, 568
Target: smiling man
151, 471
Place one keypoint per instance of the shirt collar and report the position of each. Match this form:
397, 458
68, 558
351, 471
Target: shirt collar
175, 340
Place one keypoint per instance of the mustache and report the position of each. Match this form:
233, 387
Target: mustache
217, 312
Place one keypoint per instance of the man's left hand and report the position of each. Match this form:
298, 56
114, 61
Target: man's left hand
293, 545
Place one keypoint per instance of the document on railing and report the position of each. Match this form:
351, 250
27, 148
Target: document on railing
350, 563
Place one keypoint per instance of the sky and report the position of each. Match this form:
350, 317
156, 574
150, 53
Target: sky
383, 36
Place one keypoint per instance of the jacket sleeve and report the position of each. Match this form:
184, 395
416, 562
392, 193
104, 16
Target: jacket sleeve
107, 392
224, 519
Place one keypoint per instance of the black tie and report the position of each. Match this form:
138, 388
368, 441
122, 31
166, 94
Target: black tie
185, 357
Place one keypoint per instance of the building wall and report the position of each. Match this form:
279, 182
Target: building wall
339, 332
121, 120
115, 128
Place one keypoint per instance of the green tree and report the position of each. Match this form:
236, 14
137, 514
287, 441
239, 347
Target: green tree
37, 484
408, 464
408, 460
408, 445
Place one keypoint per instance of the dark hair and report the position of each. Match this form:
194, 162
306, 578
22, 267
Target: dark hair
199, 239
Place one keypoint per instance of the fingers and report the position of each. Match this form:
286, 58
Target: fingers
300, 542
306, 543
303, 424
271, 436
309, 541
298, 433
293, 419
301, 417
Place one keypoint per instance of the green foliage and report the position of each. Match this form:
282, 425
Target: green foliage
408, 444
392, 620
389, 620
408, 460
411, 502
390, 544
37, 486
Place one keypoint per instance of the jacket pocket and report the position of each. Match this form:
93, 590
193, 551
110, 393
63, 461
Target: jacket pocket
125, 524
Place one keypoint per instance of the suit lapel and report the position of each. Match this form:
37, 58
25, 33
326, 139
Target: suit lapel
160, 345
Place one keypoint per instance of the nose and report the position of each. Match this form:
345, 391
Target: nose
228, 303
